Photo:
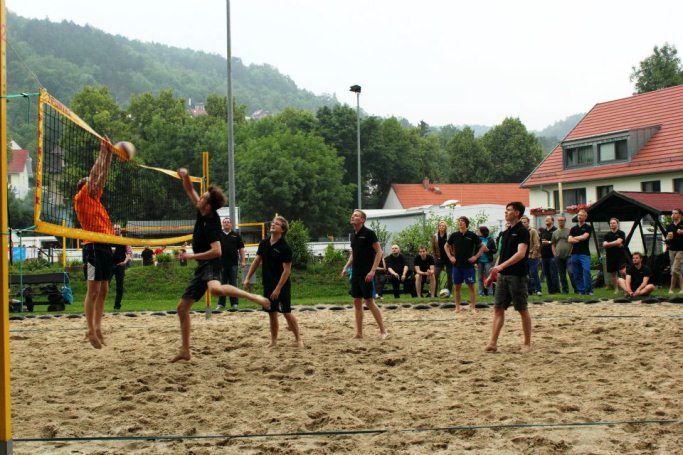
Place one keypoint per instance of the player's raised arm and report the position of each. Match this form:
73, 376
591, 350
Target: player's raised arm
187, 185
99, 171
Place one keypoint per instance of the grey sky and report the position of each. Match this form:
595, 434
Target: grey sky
439, 61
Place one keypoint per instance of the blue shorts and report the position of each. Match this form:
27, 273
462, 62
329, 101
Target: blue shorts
466, 274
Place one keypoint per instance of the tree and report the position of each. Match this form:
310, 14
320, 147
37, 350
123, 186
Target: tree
298, 238
513, 151
469, 160
660, 70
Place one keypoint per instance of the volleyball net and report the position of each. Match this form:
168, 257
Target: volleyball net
148, 203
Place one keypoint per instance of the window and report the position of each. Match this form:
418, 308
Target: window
603, 190
579, 156
571, 197
652, 186
678, 186
612, 151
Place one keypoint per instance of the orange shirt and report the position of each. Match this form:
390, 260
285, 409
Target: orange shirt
91, 213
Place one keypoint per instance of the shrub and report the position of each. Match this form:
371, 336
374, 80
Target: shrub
333, 256
297, 238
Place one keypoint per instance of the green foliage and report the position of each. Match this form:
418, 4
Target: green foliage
382, 233
298, 238
660, 70
20, 210
164, 258
469, 161
513, 151
333, 255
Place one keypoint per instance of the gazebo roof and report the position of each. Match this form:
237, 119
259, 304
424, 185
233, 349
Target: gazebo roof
634, 205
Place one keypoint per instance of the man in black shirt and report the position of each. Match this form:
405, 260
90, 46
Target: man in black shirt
579, 237
232, 250
276, 256
548, 264
463, 249
674, 244
397, 270
147, 256
615, 257
122, 257
424, 271
513, 276
206, 250
366, 254
637, 281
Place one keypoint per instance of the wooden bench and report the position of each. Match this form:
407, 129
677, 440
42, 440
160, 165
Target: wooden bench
34, 287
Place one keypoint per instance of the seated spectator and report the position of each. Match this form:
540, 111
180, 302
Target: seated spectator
636, 283
397, 270
147, 256
380, 279
424, 271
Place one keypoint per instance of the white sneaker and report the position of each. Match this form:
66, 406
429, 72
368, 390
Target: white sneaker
219, 307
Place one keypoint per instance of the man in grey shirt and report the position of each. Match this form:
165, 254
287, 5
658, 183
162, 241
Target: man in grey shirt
562, 250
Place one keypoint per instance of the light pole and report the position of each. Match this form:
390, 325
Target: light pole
231, 137
356, 89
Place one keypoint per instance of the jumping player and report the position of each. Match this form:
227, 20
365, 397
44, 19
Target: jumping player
206, 250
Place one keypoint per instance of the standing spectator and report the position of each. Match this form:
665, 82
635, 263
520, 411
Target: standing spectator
441, 262
512, 284
397, 270
534, 257
366, 254
463, 249
547, 256
615, 253
424, 271
123, 254
147, 256
276, 256
562, 251
674, 244
232, 251
380, 279
637, 281
485, 261
579, 237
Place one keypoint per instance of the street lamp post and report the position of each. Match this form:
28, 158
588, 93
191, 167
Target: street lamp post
356, 89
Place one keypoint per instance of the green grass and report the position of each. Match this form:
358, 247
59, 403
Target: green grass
160, 288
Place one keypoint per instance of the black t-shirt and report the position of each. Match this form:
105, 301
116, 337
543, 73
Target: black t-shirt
231, 243
441, 240
582, 247
466, 245
363, 251
395, 263
614, 252
512, 238
147, 255
637, 275
423, 264
547, 234
207, 229
677, 243
272, 258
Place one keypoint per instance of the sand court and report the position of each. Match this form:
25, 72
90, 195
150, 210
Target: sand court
603, 378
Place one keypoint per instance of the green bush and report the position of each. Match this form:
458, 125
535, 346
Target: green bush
164, 258
297, 238
333, 256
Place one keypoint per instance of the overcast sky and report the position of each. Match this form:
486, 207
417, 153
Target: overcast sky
440, 61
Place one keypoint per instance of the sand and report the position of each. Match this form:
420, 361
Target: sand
607, 362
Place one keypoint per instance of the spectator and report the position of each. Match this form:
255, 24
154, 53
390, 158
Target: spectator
579, 236
547, 256
534, 256
232, 251
147, 256
485, 261
397, 270
562, 251
424, 271
614, 245
123, 254
637, 281
464, 249
441, 262
380, 279
674, 244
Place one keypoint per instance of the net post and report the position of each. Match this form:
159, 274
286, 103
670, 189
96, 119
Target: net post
5, 388
205, 181
64, 247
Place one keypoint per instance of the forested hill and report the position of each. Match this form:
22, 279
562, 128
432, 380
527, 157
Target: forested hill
65, 57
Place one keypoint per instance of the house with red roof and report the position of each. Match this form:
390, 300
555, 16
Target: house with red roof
410, 195
629, 144
19, 171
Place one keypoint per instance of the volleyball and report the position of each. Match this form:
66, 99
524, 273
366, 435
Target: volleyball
127, 148
444, 293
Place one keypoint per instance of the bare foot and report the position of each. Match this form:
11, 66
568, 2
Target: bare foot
491, 348
384, 335
94, 341
264, 302
457, 308
671, 292
299, 343
182, 355
473, 309
358, 336
272, 344
98, 333
526, 348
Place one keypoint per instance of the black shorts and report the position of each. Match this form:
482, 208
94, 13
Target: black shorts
206, 271
614, 263
512, 290
98, 262
360, 288
283, 304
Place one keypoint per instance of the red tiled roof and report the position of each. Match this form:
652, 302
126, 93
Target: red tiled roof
18, 164
664, 202
633, 205
662, 153
415, 194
